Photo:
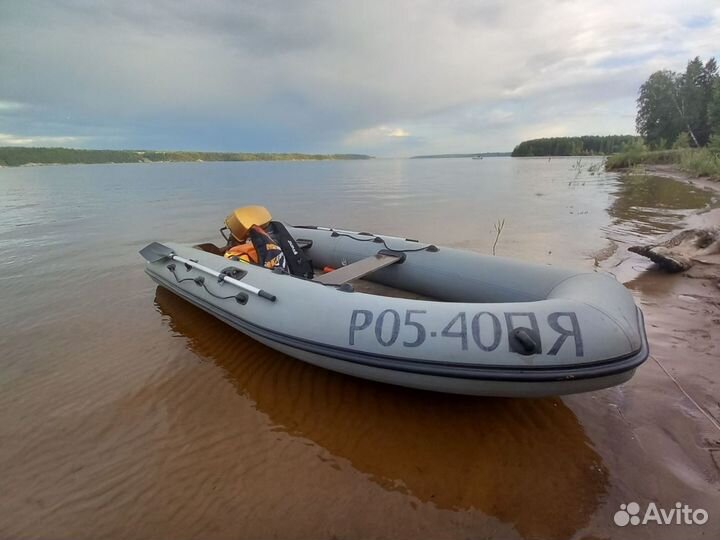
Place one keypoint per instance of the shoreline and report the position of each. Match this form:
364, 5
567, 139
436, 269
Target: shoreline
23, 156
675, 173
199, 161
610, 258
682, 319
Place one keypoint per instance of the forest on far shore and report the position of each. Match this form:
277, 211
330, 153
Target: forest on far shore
13, 156
586, 145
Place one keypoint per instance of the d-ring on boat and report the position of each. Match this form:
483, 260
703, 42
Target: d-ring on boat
475, 324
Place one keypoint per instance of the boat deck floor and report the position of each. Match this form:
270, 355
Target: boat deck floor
359, 285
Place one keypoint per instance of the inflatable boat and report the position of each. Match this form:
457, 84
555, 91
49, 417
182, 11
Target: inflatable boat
399, 311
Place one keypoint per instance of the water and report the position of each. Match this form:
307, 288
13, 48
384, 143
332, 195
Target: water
126, 412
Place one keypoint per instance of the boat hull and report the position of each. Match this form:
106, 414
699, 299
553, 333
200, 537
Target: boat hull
518, 376
503, 327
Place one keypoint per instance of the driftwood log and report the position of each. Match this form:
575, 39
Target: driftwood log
681, 251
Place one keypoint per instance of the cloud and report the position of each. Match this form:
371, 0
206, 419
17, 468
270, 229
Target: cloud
374, 137
336, 76
397, 132
8, 139
9, 106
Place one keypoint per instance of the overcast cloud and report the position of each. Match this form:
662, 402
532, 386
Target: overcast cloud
389, 78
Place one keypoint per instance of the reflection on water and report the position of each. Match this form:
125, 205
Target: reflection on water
525, 462
650, 205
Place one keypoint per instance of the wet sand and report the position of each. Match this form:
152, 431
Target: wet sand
128, 413
682, 375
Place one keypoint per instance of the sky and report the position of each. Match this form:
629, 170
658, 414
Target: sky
389, 78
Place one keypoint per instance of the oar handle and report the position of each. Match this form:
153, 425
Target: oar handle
267, 295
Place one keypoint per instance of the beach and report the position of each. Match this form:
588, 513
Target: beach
682, 317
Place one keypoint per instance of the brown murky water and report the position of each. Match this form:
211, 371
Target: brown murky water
127, 413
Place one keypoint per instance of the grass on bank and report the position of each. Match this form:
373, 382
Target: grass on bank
696, 161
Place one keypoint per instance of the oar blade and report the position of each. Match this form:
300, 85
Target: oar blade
155, 252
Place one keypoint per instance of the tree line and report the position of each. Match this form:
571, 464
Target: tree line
586, 145
12, 156
680, 109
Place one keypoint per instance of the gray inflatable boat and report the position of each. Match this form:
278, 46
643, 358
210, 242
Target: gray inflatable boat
476, 324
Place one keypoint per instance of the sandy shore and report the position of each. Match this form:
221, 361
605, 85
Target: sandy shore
682, 313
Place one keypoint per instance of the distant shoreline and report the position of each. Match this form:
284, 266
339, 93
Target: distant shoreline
476, 155
18, 156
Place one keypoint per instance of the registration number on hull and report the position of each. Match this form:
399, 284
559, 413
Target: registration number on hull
484, 330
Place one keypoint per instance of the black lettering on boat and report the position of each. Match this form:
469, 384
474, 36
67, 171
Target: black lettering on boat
497, 331
565, 333
462, 333
533, 332
395, 327
419, 327
354, 326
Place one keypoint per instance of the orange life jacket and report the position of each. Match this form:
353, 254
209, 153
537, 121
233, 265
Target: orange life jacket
243, 252
261, 250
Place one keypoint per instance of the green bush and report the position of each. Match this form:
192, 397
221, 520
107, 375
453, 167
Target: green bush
714, 145
637, 153
701, 162
698, 161
682, 141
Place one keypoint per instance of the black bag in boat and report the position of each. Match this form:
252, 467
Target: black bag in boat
297, 263
269, 253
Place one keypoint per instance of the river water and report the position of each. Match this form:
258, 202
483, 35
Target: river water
126, 412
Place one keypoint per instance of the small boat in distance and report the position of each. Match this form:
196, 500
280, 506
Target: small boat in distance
477, 157
399, 311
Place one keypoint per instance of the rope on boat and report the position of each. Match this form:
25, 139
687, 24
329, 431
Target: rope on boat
380, 240
241, 298
370, 238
